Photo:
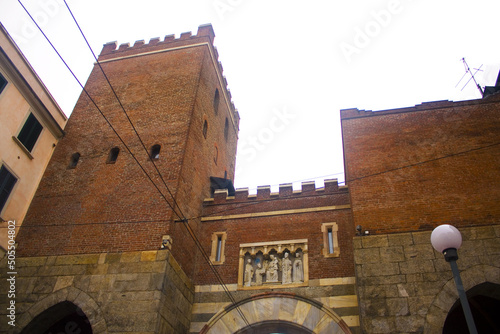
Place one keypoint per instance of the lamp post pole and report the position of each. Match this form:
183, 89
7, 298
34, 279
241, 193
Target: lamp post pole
447, 239
451, 256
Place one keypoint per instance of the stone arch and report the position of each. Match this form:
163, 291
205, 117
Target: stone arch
446, 298
74, 296
277, 308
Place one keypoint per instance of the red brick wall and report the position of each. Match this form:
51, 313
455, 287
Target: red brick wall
463, 189
100, 207
282, 227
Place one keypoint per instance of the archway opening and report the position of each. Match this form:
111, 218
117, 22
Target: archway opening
274, 327
64, 317
484, 301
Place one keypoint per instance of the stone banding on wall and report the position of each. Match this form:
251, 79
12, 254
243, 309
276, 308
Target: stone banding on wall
132, 290
405, 286
283, 307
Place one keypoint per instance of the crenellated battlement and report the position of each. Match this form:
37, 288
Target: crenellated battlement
205, 35
285, 192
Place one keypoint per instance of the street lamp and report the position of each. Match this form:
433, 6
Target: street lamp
447, 239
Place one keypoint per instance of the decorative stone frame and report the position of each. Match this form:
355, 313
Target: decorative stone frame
325, 227
213, 254
265, 249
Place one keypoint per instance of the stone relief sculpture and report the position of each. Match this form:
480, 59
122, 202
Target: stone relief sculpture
248, 273
298, 269
273, 264
272, 269
286, 270
259, 272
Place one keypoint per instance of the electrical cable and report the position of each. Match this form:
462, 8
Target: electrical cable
125, 112
95, 104
184, 220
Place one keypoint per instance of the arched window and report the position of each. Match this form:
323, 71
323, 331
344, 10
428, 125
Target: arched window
226, 129
113, 155
205, 129
74, 160
155, 152
216, 101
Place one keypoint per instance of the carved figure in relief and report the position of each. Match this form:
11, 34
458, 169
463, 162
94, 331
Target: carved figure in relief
272, 269
248, 273
298, 270
259, 272
286, 269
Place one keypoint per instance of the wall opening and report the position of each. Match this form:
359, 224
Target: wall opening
275, 327
113, 155
73, 162
155, 152
484, 301
64, 317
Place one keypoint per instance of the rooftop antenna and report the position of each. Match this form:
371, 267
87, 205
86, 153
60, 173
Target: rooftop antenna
467, 70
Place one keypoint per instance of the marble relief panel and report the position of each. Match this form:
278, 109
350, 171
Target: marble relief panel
273, 264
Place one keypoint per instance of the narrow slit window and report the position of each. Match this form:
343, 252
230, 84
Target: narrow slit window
113, 155
330, 241
216, 154
205, 129
216, 101
219, 248
155, 152
226, 129
74, 160
7, 183
218, 244
30, 132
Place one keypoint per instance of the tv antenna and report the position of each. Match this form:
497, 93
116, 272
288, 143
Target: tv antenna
468, 71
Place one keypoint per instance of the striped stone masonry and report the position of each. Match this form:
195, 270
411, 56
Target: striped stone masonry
337, 295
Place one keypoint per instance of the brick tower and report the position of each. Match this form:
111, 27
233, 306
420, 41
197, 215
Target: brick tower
177, 99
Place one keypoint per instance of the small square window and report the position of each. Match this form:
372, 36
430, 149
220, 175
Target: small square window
330, 240
7, 183
30, 132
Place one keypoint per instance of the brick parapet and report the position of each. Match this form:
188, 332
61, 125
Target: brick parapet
286, 191
351, 113
112, 50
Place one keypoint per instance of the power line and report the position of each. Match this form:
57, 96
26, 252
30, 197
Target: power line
423, 162
126, 114
95, 104
362, 177
184, 220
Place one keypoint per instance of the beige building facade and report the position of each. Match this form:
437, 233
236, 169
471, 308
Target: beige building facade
31, 124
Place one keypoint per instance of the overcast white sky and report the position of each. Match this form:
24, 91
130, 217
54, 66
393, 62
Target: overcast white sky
291, 65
